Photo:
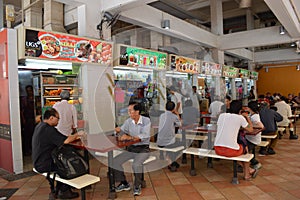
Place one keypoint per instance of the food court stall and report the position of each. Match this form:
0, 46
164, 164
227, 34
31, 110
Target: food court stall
230, 74
214, 84
139, 76
243, 85
182, 74
51, 61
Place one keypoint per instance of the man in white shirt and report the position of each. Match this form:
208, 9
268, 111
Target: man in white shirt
285, 111
177, 99
215, 108
68, 114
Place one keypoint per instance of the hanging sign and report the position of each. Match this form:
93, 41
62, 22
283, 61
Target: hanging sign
209, 68
137, 57
254, 75
63, 47
230, 72
244, 73
184, 64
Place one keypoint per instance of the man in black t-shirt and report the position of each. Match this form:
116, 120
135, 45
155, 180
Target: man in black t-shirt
46, 138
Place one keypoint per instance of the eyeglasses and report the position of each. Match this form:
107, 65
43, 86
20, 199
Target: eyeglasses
56, 117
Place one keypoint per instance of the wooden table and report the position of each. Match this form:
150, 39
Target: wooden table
104, 142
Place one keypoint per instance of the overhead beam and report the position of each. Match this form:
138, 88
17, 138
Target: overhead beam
253, 38
122, 5
276, 56
286, 14
149, 17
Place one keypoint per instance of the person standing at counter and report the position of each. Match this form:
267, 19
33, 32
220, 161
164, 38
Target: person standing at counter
226, 144
136, 127
68, 115
27, 119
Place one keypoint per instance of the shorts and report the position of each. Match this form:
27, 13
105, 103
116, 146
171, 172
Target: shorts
228, 152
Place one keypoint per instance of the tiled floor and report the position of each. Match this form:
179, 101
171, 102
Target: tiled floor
279, 179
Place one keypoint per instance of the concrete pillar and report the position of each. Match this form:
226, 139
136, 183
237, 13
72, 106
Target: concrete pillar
156, 39
233, 89
89, 16
133, 38
54, 16
33, 13
217, 28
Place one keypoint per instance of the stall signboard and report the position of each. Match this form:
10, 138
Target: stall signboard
244, 73
184, 64
230, 72
63, 47
138, 57
253, 75
209, 68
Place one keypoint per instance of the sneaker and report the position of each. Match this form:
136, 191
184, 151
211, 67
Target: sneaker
137, 191
271, 151
69, 194
122, 187
257, 166
293, 137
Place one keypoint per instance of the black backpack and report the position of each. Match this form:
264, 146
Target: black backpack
69, 162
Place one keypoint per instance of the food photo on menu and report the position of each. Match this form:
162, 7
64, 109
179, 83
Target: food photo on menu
50, 45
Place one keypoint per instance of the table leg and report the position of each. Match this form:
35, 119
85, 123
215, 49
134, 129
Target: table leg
184, 160
112, 192
192, 171
86, 158
210, 146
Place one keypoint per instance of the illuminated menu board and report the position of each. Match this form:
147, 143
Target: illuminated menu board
230, 72
184, 64
209, 68
137, 57
64, 47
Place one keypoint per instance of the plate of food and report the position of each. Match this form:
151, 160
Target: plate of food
50, 45
83, 49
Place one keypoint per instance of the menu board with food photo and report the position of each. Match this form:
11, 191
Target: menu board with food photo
136, 57
244, 73
58, 46
253, 75
209, 68
183, 64
230, 72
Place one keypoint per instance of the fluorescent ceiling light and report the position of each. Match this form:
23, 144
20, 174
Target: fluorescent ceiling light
45, 64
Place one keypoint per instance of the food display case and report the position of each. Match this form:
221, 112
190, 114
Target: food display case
182, 74
242, 85
230, 74
48, 86
139, 77
214, 85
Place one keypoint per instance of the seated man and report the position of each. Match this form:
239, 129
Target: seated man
45, 139
166, 132
269, 117
285, 111
135, 128
226, 143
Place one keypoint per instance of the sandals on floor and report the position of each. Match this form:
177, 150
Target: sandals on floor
254, 174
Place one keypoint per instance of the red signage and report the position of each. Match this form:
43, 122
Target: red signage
41, 44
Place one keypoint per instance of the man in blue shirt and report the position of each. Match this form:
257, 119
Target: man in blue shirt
136, 127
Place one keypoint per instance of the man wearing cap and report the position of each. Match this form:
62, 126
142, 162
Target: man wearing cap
68, 115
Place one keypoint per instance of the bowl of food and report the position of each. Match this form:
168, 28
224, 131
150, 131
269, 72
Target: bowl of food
50, 45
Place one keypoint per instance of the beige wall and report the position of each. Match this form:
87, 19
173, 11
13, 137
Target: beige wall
284, 80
